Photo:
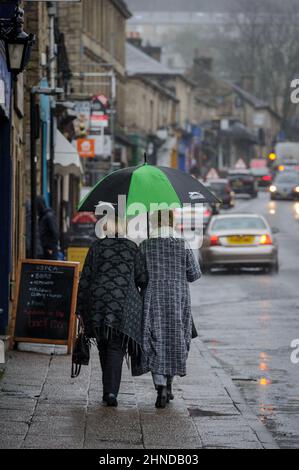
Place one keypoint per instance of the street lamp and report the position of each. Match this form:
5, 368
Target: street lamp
18, 51
17, 43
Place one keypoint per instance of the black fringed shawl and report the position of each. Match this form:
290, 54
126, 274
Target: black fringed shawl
108, 301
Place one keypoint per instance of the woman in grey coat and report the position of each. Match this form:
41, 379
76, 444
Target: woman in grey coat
163, 267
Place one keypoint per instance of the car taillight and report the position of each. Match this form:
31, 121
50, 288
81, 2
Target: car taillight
266, 240
214, 240
207, 213
267, 178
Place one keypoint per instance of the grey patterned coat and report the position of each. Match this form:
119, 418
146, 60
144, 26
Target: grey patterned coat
163, 268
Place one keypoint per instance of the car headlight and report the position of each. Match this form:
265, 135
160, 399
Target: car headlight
296, 189
273, 189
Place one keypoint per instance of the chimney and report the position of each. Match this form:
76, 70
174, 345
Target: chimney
135, 39
153, 51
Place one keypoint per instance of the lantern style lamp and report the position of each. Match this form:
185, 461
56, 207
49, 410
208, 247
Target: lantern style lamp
17, 43
18, 51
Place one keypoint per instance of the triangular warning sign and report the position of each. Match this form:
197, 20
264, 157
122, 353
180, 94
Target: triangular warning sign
212, 174
240, 165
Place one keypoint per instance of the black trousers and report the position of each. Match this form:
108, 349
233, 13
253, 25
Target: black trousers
111, 351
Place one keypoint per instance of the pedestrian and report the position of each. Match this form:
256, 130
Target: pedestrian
163, 267
39, 250
48, 230
102, 299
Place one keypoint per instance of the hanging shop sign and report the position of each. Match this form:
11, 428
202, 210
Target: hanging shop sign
86, 148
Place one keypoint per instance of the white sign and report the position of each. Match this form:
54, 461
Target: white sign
212, 174
259, 119
2, 92
240, 165
224, 124
103, 145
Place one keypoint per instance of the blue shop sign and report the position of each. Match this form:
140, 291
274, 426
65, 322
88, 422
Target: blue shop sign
5, 78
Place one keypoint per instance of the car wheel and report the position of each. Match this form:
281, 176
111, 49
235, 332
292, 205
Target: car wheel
272, 268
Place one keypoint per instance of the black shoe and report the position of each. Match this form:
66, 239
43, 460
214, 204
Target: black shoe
110, 399
161, 397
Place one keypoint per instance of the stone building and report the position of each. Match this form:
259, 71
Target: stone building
172, 107
95, 33
236, 123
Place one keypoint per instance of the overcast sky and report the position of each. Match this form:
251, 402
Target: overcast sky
188, 5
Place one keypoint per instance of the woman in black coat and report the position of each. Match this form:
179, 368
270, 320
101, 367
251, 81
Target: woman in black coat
102, 296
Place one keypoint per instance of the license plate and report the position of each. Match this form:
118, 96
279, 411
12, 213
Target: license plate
240, 240
237, 184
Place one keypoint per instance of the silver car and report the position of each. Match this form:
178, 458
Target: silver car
240, 240
285, 186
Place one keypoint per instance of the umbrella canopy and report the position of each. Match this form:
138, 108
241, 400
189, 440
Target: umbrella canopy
147, 184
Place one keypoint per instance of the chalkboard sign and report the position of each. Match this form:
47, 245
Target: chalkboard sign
46, 302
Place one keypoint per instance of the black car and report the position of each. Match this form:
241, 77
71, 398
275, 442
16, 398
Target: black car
243, 182
222, 189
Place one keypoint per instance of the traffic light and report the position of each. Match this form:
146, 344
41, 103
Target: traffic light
272, 156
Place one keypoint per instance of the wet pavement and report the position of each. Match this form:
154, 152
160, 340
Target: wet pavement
42, 407
249, 319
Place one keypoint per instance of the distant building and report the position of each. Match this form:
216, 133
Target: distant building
236, 123
159, 98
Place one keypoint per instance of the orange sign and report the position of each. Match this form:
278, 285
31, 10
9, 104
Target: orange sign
86, 148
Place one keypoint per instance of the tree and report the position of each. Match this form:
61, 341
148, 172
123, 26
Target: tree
262, 41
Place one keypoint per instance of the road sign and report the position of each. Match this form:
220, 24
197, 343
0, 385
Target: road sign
240, 165
212, 174
86, 148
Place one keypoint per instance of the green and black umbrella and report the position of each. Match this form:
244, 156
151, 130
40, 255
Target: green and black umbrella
147, 184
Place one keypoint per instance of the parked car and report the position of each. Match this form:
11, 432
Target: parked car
216, 205
263, 177
285, 186
222, 189
243, 182
190, 218
239, 240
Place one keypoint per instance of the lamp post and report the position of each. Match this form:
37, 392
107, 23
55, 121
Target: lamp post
17, 43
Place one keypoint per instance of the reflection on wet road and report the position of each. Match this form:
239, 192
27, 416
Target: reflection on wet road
249, 319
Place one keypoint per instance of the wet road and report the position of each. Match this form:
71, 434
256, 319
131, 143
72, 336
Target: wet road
249, 319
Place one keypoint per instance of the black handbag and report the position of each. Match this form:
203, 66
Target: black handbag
81, 351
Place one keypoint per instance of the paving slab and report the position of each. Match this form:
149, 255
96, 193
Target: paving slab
50, 410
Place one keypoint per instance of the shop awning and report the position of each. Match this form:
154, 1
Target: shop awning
67, 160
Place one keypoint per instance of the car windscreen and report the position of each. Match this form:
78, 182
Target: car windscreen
238, 223
247, 177
287, 178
